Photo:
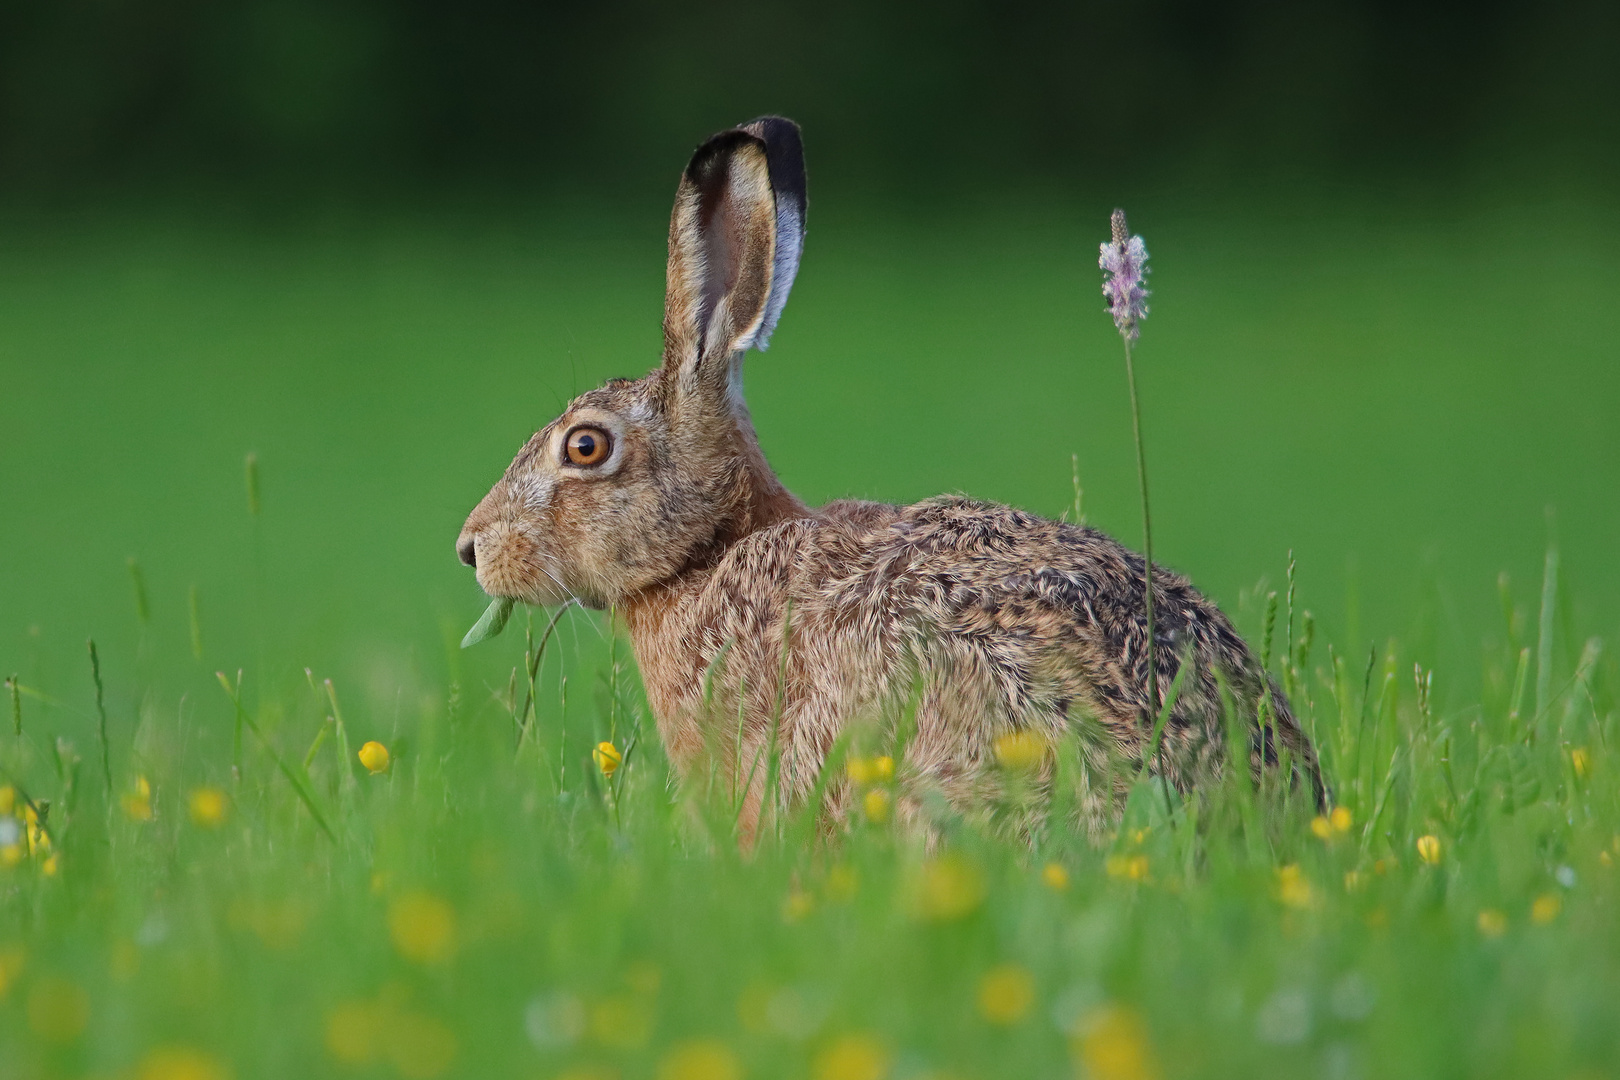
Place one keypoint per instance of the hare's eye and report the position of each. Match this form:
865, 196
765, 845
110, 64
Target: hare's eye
587, 446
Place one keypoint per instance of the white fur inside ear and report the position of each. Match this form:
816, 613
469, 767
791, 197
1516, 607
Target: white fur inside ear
785, 264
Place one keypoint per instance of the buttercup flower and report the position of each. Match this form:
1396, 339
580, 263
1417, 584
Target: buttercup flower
853, 1057
1111, 1044
1005, 994
137, 802
700, 1059
1020, 751
1428, 849
607, 758
423, 927
876, 805
374, 756
1055, 876
208, 807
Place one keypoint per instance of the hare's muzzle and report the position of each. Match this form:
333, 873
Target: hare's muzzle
467, 550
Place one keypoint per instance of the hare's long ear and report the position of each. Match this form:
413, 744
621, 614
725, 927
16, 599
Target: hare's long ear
734, 244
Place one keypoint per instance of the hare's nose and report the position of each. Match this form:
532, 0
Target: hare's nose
464, 548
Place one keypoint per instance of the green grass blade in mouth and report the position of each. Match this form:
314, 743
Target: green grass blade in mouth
491, 623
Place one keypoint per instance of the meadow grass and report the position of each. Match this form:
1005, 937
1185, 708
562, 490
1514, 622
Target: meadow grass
221, 888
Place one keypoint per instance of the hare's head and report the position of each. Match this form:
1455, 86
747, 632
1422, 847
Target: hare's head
641, 479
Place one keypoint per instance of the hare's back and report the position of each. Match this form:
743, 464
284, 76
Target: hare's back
1057, 608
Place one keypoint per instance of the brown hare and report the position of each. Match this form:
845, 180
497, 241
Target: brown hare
760, 622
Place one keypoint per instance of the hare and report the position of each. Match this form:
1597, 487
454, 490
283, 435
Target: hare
764, 628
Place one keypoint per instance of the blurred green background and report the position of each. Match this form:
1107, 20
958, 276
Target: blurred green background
378, 245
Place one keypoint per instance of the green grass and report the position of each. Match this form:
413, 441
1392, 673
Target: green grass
1398, 402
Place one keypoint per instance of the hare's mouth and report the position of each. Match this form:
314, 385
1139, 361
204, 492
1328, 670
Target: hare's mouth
510, 563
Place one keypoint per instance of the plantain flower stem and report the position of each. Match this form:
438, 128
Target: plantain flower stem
1123, 261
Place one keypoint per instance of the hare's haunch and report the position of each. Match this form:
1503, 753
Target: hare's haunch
752, 613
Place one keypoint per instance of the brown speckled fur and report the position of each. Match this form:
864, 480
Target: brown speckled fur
970, 619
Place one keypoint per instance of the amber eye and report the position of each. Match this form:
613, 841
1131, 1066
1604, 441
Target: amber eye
588, 446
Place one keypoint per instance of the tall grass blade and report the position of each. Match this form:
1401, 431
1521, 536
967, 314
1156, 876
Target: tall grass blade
296, 777
101, 714
193, 610
1544, 629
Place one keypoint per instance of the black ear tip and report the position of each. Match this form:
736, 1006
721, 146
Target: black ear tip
784, 151
784, 154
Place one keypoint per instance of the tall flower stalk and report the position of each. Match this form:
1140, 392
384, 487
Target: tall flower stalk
1123, 261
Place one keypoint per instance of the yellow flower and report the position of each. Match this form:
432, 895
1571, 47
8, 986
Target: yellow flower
423, 927
11, 965
1005, 994
1127, 867
1545, 909
874, 770
355, 1032
1340, 819
1020, 751
39, 841
1293, 889
359, 1033
607, 758
180, 1063
374, 756
842, 882
58, 1010
948, 887
1111, 1044
49, 866
852, 1057
797, 905
137, 801
700, 1059
422, 1046
1321, 828
209, 808
1581, 759
1492, 923
622, 1021
876, 805
1428, 849
1055, 876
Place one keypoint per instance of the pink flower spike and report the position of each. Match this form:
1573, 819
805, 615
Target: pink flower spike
1124, 261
